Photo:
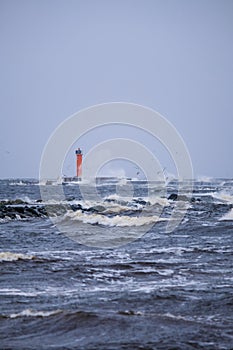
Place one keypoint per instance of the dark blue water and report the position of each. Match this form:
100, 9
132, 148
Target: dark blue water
164, 290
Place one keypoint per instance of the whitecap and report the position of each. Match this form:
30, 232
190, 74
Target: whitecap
119, 221
228, 216
223, 197
6, 219
32, 313
158, 200
18, 183
9, 256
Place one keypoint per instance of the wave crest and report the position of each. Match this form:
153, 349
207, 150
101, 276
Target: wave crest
119, 221
228, 216
32, 313
9, 256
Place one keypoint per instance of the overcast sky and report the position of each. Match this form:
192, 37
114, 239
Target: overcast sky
60, 56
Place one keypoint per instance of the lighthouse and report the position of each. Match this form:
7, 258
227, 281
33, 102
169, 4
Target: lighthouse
79, 159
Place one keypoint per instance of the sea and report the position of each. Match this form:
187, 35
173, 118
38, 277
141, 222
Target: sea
106, 272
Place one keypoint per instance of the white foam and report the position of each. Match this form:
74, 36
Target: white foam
84, 182
120, 221
158, 200
8, 256
228, 216
26, 199
176, 317
2, 221
223, 196
165, 272
18, 183
177, 250
114, 197
111, 207
117, 208
32, 313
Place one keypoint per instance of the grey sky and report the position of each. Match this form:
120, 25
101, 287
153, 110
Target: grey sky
57, 57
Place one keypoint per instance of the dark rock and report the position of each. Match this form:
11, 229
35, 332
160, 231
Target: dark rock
108, 200
42, 210
141, 201
176, 197
11, 215
70, 198
56, 209
35, 212
76, 207
18, 201
173, 197
13, 211
19, 210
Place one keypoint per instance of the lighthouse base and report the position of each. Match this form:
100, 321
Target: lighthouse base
71, 179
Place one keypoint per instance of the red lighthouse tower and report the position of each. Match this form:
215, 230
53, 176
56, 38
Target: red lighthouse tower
79, 159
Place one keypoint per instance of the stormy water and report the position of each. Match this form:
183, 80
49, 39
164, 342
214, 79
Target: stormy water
157, 289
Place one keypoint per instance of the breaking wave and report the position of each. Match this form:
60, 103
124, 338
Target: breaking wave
119, 221
8, 256
228, 216
224, 197
32, 313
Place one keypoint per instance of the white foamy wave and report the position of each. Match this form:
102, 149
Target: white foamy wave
32, 313
120, 221
149, 200
223, 197
26, 199
176, 317
55, 202
8, 256
114, 197
6, 219
84, 182
228, 216
117, 208
18, 183
158, 200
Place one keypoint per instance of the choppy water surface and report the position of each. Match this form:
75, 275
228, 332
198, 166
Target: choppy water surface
161, 291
